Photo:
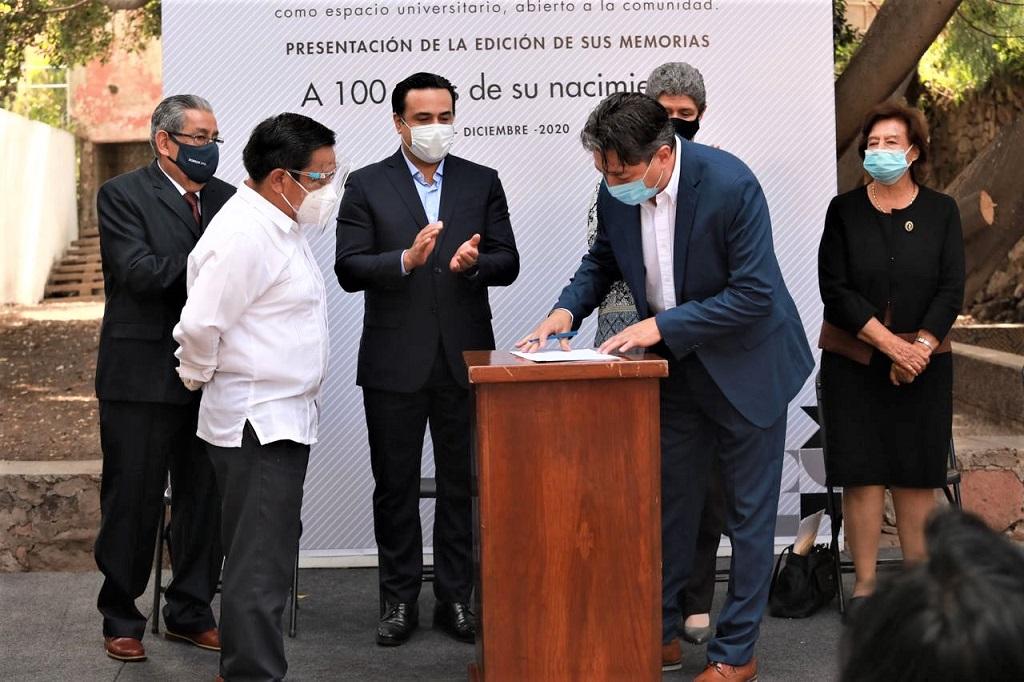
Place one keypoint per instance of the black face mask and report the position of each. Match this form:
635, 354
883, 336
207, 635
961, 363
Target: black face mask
198, 163
686, 129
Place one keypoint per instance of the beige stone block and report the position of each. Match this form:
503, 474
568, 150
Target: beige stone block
68, 488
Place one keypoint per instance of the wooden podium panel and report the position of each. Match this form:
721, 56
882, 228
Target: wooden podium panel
568, 521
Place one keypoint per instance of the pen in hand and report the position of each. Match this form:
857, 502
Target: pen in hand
558, 337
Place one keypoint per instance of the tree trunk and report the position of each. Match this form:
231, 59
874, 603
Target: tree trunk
977, 212
899, 35
996, 173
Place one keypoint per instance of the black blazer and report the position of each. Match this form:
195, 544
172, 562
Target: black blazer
146, 233
869, 261
406, 316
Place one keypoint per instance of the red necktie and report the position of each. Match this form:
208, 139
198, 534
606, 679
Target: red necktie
193, 201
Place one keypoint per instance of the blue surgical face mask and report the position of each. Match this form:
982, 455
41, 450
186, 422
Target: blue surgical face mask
198, 163
886, 165
636, 192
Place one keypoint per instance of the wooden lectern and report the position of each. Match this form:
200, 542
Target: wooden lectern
568, 518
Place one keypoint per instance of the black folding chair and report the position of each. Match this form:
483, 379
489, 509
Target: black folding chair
163, 537
834, 506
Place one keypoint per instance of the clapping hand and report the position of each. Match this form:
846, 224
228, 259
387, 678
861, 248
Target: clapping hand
422, 246
466, 255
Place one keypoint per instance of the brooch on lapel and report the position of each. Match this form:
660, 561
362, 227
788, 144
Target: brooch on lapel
908, 226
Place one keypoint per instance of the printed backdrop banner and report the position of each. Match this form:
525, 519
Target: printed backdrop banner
527, 73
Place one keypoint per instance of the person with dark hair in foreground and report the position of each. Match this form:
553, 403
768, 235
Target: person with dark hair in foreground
149, 220
687, 227
957, 616
253, 336
423, 234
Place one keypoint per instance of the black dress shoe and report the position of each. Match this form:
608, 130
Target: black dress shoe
456, 619
397, 623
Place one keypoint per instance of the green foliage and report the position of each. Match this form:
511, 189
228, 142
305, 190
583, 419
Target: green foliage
845, 39
42, 93
983, 39
65, 33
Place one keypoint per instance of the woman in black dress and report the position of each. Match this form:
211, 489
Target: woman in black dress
891, 274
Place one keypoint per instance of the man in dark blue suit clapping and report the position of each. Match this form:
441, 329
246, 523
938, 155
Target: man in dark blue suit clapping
423, 234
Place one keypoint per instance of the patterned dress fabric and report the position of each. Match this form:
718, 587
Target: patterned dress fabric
618, 310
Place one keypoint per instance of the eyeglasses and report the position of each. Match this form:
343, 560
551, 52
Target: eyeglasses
324, 178
199, 139
315, 176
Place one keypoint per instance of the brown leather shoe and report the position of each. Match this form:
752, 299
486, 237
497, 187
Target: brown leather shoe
209, 639
671, 656
124, 648
717, 672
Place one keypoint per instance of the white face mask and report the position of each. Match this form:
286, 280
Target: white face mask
431, 143
317, 208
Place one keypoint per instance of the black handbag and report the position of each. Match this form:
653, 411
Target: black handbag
803, 585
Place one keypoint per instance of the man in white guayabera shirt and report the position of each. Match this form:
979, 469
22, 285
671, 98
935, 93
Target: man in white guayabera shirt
253, 336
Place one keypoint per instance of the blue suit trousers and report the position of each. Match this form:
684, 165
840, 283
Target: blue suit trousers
698, 424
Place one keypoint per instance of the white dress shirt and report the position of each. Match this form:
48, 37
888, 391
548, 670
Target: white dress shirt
658, 234
430, 196
254, 328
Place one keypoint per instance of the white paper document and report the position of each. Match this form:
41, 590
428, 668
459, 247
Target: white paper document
576, 355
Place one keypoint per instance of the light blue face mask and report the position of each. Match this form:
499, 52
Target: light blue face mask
636, 192
886, 165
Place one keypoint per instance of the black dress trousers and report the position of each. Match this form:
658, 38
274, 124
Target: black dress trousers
141, 442
396, 423
699, 592
261, 487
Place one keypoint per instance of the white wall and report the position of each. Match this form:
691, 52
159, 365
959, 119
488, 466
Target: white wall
771, 102
38, 207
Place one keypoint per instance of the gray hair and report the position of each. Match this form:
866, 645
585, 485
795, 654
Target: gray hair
631, 124
170, 114
678, 78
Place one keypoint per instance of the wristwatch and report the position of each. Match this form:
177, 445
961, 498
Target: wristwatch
924, 342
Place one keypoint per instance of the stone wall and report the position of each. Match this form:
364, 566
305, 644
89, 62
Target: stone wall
959, 132
1002, 299
48, 520
993, 487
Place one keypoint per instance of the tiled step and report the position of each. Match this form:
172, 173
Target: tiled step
88, 276
75, 290
79, 274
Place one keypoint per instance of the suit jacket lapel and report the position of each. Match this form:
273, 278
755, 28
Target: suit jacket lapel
168, 194
451, 182
400, 178
623, 226
686, 207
